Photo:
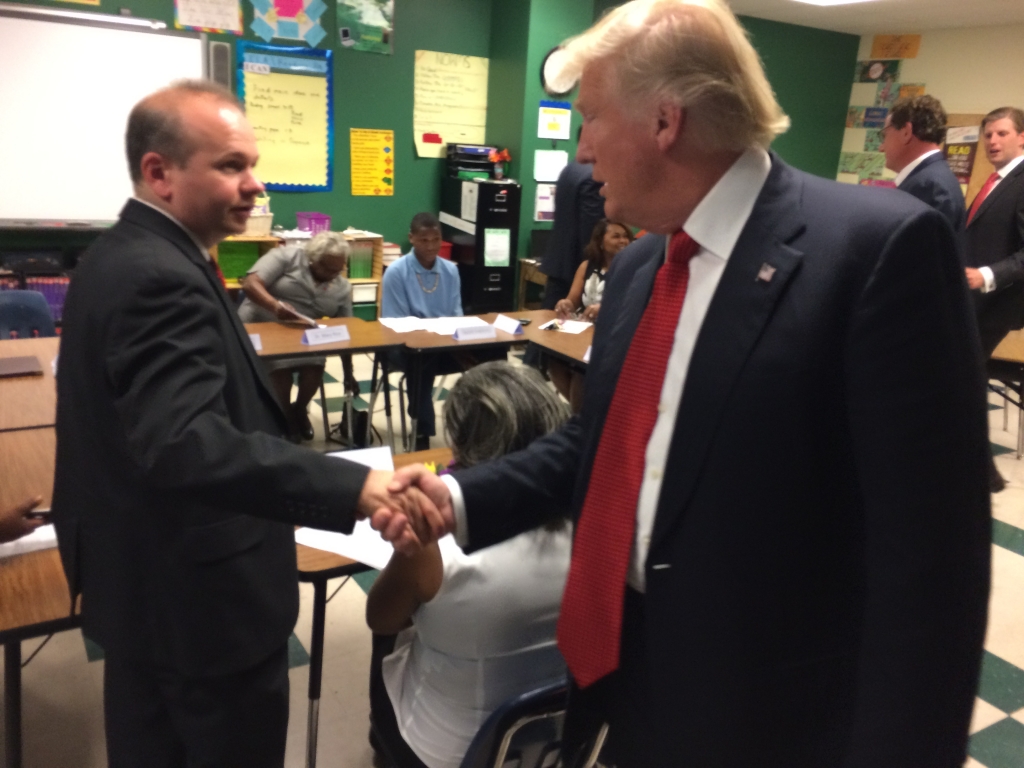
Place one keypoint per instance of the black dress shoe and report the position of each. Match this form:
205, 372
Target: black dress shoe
422, 443
303, 426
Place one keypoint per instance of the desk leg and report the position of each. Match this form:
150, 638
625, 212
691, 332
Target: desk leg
12, 703
414, 376
316, 664
1020, 424
386, 383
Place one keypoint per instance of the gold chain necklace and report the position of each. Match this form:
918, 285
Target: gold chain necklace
437, 281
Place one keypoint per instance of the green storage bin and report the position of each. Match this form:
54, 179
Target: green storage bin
236, 259
365, 311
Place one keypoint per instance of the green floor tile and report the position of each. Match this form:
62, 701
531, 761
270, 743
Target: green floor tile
328, 379
443, 396
1002, 685
999, 450
1008, 537
1000, 745
994, 407
365, 579
297, 656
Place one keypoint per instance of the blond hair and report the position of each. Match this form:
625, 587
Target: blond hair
693, 53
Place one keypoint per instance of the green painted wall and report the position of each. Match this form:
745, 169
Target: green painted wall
811, 71
370, 91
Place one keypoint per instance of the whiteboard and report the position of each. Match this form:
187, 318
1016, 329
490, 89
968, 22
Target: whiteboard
66, 90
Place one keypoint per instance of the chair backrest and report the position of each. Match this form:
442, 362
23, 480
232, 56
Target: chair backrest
24, 315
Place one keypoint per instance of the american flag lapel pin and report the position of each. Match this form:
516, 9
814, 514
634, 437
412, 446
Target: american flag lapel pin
766, 273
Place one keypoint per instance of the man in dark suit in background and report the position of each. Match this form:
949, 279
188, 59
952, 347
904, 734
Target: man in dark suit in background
578, 208
175, 493
995, 230
912, 138
778, 476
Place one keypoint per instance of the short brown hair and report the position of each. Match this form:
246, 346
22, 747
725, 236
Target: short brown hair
925, 114
1015, 114
155, 124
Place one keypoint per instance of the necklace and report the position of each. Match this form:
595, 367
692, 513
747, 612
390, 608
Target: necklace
437, 281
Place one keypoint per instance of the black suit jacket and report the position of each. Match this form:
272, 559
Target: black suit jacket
818, 570
995, 239
578, 208
934, 184
175, 495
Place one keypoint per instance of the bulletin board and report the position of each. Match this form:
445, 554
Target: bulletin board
288, 97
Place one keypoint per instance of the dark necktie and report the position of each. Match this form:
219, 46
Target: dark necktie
590, 623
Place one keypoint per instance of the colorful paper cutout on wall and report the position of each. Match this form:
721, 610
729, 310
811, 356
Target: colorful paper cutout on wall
877, 71
866, 165
287, 94
911, 90
288, 20
366, 25
866, 117
372, 156
895, 46
888, 93
214, 16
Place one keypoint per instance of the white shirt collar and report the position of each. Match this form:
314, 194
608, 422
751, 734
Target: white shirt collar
1010, 166
718, 220
909, 168
202, 248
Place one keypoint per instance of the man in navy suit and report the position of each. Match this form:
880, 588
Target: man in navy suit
778, 478
912, 142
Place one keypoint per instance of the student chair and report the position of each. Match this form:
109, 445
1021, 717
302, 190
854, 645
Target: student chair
25, 315
526, 732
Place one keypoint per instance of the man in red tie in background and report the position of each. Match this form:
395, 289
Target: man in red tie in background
995, 230
778, 477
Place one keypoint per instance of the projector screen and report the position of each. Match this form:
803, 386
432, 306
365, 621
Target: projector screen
65, 93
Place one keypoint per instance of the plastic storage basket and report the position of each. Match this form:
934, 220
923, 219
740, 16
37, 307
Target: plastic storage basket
313, 222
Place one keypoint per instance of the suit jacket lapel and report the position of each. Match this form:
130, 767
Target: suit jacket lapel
924, 164
144, 216
1001, 188
741, 307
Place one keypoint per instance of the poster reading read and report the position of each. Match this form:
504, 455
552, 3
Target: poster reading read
373, 161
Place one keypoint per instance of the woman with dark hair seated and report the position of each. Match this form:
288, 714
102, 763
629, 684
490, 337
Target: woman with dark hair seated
607, 239
476, 629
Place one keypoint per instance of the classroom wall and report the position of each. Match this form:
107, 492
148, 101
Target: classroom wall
370, 91
971, 70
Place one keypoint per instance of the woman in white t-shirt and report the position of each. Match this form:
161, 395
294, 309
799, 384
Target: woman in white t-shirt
475, 630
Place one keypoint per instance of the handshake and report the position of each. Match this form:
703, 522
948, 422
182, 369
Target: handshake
411, 507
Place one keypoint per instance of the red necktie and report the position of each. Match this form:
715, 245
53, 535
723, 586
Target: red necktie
991, 182
590, 623
217, 272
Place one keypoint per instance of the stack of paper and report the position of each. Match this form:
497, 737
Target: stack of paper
444, 326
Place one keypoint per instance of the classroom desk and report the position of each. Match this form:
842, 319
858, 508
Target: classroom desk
317, 567
29, 401
420, 343
1007, 365
279, 340
566, 347
34, 596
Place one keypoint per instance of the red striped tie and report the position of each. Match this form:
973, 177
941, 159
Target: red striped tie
982, 194
590, 624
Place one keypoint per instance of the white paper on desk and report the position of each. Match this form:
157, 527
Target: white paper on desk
586, 355
446, 326
403, 324
43, 537
574, 326
363, 544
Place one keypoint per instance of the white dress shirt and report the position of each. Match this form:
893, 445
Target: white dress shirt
715, 224
909, 168
986, 272
202, 248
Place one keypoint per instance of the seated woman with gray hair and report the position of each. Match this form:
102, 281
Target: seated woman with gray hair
306, 279
476, 629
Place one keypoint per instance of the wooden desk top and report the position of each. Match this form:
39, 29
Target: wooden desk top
280, 340
33, 590
29, 401
569, 347
427, 341
1011, 349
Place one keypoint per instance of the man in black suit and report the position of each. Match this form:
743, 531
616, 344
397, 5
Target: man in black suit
912, 138
578, 208
175, 493
778, 476
995, 230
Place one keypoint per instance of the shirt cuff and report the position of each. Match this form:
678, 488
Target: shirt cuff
990, 279
459, 508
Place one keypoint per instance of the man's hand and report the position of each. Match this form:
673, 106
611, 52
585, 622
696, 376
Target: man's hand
415, 478
975, 280
13, 522
405, 517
